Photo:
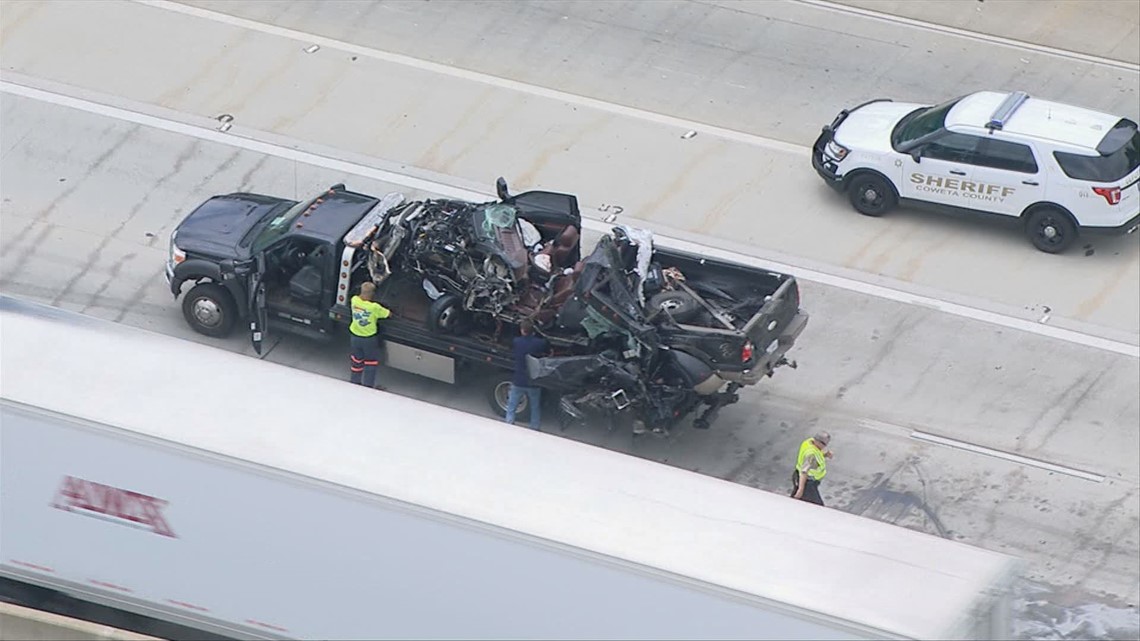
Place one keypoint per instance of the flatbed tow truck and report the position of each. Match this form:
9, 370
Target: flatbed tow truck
286, 266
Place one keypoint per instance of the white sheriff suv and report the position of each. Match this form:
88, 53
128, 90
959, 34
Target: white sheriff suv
1058, 169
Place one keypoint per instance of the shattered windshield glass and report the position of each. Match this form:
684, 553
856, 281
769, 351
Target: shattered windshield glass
492, 218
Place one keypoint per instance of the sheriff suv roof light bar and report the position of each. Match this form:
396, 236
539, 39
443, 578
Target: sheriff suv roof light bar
1006, 109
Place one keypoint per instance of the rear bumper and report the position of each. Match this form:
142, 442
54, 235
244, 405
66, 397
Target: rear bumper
767, 363
1128, 227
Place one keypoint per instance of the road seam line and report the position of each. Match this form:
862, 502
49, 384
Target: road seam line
1008, 456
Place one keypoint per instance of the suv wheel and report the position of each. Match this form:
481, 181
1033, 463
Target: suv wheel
209, 309
1050, 230
871, 194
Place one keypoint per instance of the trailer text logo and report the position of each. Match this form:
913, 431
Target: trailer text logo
104, 501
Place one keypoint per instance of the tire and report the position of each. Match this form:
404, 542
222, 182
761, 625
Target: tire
871, 194
680, 304
209, 309
497, 393
1050, 229
447, 316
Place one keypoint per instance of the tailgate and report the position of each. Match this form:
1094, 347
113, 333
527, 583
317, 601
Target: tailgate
776, 319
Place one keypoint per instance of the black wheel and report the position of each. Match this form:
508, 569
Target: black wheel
680, 304
447, 316
1050, 230
871, 194
497, 393
210, 310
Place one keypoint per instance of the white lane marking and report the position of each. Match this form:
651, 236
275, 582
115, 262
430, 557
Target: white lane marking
1008, 456
483, 78
243, 138
974, 35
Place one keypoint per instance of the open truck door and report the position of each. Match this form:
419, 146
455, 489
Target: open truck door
548, 209
258, 317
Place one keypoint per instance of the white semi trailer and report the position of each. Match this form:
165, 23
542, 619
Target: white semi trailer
252, 500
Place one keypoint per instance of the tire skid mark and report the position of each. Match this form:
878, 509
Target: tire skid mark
487, 132
429, 158
244, 183
132, 304
681, 178
907, 322
1107, 548
1109, 285
560, 144
44, 215
22, 259
1070, 409
320, 93
190, 151
206, 69
177, 214
892, 506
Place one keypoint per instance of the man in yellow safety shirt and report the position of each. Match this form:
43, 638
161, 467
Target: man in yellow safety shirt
365, 354
811, 467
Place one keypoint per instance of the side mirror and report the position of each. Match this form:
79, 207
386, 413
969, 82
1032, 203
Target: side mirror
501, 189
337, 187
916, 153
226, 266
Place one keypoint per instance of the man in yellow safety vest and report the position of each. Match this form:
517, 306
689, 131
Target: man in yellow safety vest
811, 467
365, 354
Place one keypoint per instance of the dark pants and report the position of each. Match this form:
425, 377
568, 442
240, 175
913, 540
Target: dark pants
811, 489
363, 359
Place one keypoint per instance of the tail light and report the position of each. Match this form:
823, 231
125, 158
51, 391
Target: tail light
1111, 194
746, 352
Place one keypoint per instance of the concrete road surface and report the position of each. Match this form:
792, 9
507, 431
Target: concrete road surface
628, 80
98, 167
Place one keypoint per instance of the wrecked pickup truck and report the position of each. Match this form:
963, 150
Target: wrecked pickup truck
641, 335
638, 330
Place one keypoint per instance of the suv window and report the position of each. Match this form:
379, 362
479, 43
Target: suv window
953, 148
1106, 168
1011, 156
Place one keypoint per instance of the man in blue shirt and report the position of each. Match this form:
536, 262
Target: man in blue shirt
525, 345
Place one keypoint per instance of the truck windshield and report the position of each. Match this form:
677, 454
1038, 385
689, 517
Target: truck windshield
921, 122
277, 224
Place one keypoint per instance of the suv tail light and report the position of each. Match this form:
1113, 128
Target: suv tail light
1111, 194
746, 352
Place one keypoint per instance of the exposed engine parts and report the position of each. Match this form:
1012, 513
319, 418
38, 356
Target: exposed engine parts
640, 334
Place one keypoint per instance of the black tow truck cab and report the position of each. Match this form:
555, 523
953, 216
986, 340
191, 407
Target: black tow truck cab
293, 267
